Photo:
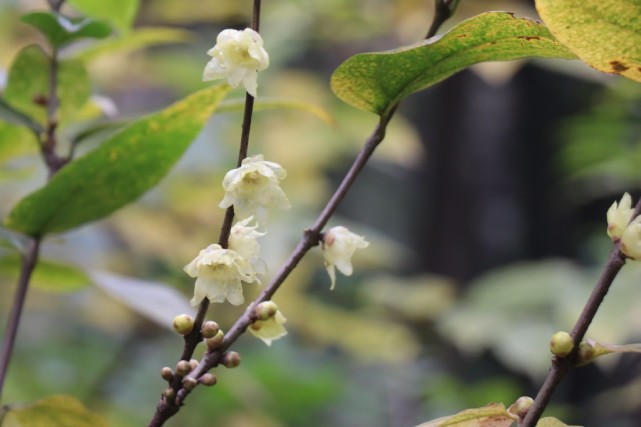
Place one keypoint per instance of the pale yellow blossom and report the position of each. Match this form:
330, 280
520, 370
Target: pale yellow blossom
270, 329
339, 245
619, 216
237, 57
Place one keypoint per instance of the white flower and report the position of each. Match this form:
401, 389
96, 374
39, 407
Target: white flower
254, 187
270, 329
219, 273
631, 239
242, 239
619, 217
237, 57
339, 244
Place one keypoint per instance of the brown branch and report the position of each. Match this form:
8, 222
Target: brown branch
562, 365
29, 260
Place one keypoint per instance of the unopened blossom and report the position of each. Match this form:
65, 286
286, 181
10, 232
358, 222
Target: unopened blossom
254, 187
339, 245
242, 239
631, 239
270, 329
237, 57
619, 216
219, 275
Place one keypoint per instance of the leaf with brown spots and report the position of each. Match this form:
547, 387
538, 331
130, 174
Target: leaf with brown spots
377, 81
605, 34
492, 415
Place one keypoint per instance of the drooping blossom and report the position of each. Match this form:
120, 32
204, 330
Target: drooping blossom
339, 245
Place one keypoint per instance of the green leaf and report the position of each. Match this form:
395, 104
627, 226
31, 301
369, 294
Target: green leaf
120, 13
53, 411
492, 415
16, 141
604, 34
15, 117
377, 81
60, 29
124, 167
138, 39
48, 275
28, 80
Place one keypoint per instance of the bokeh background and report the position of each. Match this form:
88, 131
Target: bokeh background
485, 208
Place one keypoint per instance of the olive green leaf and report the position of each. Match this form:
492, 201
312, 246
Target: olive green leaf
50, 276
377, 81
28, 81
60, 29
52, 411
494, 415
120, 13
604, 34
124, 167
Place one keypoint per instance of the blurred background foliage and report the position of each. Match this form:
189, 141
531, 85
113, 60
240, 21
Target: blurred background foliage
485, 207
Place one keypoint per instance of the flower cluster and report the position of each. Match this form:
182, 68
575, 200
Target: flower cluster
252, 189
623, 228
237, 57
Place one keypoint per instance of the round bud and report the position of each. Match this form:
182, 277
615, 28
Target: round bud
193, 363
561, 344
167, 374
183, 324
189, 383
586, 353
208, 380
183, 367
169, 393
265, 310
216, 341
231, 359
521, 406
209, 329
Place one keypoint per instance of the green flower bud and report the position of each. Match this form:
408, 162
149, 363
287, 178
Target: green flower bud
265, 310
169, 393
521, 406
561, 344
208, 380
209, 329
183, 324
167, 374
231, 359
189, 383
183, 368
216, 341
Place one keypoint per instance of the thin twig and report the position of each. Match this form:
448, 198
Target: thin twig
29, 261
562, 365
443, 10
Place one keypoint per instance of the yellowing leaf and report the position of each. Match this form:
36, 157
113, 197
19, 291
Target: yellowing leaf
551, 422
604, 34
119, 171
492, 415
53, 411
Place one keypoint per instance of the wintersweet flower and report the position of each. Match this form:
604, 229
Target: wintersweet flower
339, 245
237, 57
619, 216
270, 329
631, 239
254, 187
242, 239
219, 275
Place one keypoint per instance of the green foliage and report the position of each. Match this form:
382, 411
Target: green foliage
119, 171
28, 81
48, 276
14, 117
52, 411
606, 35
61, 30
377, 81
133, 40
120, 13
